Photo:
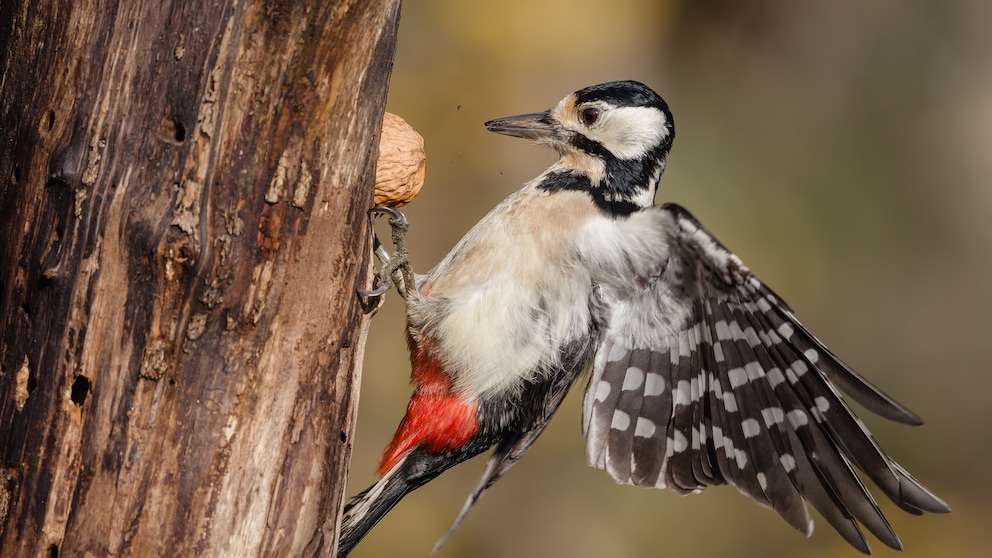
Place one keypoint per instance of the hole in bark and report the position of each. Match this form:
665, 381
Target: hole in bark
32, 383
344, 437
180, 132
53, 551
57, 180
45, 280
50, 119
172, 130
80, 389
15, 176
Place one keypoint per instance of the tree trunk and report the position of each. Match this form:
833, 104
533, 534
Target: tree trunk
183, 196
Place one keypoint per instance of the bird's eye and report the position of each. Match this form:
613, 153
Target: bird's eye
589, 116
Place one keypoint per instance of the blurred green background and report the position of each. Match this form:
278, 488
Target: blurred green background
842, 149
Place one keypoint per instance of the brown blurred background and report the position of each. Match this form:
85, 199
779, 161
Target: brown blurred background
842, 149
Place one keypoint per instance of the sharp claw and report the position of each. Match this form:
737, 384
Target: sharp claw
374, 293
396, 268
395, 215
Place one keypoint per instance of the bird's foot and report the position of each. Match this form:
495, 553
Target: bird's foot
395, 268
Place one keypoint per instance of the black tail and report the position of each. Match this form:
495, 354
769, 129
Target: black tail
414, 470
366, 509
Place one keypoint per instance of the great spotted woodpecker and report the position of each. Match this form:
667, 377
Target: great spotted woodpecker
700, 374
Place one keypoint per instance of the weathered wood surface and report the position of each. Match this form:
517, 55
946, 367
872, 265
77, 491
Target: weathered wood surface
183, 188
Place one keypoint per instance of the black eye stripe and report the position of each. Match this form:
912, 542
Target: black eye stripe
590, 146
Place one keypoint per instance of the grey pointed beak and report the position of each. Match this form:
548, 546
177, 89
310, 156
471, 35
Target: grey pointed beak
534, 126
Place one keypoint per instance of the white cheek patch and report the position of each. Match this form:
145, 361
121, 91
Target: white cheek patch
630, 132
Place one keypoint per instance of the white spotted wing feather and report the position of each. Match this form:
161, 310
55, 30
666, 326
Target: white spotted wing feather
740, 393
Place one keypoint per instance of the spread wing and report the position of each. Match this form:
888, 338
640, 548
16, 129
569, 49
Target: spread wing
735, 390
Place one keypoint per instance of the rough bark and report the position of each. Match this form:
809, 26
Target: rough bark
183, 188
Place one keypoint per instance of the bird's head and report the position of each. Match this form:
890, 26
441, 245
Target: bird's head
613, 140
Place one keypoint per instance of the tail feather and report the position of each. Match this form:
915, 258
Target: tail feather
365, 510
411, 470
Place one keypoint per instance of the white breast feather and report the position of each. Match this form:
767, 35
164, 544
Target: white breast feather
495, 329
516, 288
